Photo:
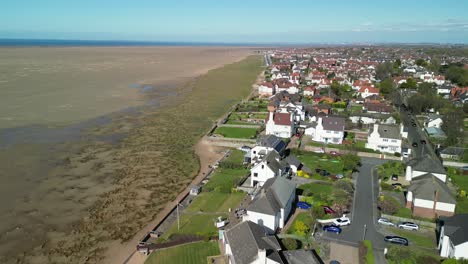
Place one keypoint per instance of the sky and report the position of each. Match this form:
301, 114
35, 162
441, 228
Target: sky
241, 21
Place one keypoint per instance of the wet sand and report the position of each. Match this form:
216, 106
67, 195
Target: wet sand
69, 191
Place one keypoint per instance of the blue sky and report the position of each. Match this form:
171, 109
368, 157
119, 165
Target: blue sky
300, 21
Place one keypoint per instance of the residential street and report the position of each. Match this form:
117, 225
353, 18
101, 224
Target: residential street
364, 212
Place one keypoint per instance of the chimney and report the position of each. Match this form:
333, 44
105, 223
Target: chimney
271, 117
376, 128
262, 256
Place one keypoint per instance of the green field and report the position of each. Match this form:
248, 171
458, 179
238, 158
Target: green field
404, 212
194, 253
216, 202
229, 173
236, 132
416, 237
316, 160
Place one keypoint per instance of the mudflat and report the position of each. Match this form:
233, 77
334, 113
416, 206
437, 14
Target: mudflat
77, 179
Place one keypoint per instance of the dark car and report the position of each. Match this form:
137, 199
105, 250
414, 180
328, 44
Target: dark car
414, 144
328, 210
303, 205
317, 170
423, 141
324, 173
396, 240
414, 125
332, 228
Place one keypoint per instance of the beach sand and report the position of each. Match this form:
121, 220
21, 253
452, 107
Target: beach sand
74, 193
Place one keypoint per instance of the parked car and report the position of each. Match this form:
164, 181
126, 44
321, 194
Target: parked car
385, 221
394, 177
317, 170
408, 226
339, 176
332, 228
342, 221
303, 205
415, 144
396, 240
319, 151
328, 210
324, 173
414, 125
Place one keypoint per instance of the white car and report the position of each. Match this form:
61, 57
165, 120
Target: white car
408, 226
385, 221
342, 221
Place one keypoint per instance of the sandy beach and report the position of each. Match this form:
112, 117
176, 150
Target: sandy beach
80, 193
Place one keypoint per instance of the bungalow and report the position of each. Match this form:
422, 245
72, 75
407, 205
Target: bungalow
418, 167
367, 91
279, 124
380, 108
270, 167
430, 197
453, 238
272, 206
247, 242
385, 138
265, 145
328, 129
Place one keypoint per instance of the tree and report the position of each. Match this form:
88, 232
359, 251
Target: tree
426, 88
421, 62
344, 185
387, 86
453, 126
457, 75
455, 261
384, 70
397, 63
331, 75
290, 243
409, 84
351, 161
388, 205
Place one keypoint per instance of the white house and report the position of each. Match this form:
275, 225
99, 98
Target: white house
328, 129
429, 197
279, 124
367, 91
453, 239
291, 88
265, 145
433, 121
309, 91
248, 243
426, 164
385, 138
269, 167
295, 108
273, 204
266, 89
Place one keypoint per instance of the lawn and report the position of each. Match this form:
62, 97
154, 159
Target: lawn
415, 237
357, 146
215, 202
193, 253
314, 188
404, 212
316, 160
461, 181
196, 224
370, 252
236, 132
304, 217
462, 206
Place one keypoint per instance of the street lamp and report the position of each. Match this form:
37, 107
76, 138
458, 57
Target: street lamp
364, 235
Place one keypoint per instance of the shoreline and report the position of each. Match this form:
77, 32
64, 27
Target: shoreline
206, 155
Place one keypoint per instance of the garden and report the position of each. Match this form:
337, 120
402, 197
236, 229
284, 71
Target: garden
246, 118
237, 132
193, 253
343, 164
461, 183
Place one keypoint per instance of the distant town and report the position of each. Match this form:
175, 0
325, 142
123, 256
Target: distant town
339, 155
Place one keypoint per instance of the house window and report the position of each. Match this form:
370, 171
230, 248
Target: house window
255, 152
263, 166
385, 140
255, 174
336, 132
394, 140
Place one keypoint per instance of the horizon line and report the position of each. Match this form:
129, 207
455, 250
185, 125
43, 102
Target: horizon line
90, 42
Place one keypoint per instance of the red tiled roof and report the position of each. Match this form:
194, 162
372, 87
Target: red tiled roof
283, 119
369, 88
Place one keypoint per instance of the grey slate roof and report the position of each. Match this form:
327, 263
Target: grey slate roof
301, 257
272, 162
456, 227
333, 123
274, 195
292, 160
453, 151
427, 163
426, 186
272, 141
246, 238
387, 131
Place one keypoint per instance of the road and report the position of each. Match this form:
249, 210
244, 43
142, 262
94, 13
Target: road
364, 212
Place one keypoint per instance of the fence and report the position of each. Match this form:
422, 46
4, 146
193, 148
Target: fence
402, 219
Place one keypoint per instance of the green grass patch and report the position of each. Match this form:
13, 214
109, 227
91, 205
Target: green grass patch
370, 252
316, 160
404, 212
462, 206
415, 237
304, 217
197, 224
236, 132
315, 188
215, 202
193, 253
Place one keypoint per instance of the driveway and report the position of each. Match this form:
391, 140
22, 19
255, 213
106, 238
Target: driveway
344, 254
